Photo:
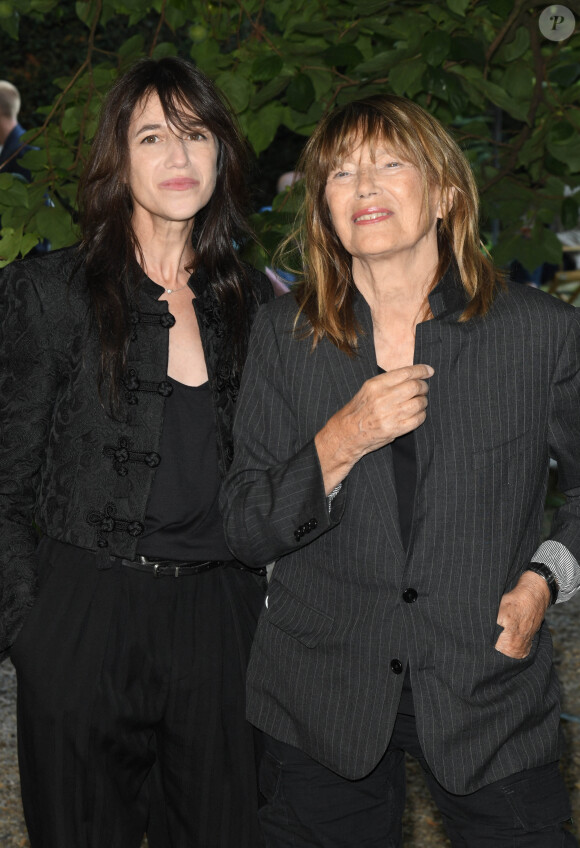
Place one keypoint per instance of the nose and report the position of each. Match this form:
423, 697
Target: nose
177, 152
366, 185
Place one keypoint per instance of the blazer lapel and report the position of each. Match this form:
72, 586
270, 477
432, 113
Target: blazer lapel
348, 373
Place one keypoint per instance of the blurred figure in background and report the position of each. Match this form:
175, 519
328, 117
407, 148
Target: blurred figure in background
11, 147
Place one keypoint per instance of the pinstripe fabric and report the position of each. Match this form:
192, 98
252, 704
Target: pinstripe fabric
505, 395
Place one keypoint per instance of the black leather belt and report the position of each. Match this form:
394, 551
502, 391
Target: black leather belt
170, 567
175, 568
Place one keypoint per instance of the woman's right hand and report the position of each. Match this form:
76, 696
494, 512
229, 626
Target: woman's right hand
386, 406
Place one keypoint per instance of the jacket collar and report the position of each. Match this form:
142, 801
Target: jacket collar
448, 296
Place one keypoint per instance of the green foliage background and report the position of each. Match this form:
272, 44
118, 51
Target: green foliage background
511, 96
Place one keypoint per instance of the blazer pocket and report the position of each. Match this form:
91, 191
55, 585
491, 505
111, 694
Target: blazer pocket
288, 613
502, 452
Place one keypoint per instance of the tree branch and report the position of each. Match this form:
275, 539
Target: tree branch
537, 98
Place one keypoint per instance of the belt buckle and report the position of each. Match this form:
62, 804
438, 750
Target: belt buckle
145, 561
176, 571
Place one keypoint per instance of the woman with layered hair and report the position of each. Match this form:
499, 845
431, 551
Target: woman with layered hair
392, 441
326, 292
129, 622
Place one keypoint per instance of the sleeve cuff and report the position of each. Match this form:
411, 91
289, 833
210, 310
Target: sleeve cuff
563, 566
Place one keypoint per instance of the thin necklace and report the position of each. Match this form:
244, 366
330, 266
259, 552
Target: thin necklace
170, 291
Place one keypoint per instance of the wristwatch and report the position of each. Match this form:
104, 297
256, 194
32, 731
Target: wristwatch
543, 570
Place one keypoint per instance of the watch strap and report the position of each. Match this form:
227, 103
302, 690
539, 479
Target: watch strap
543, 570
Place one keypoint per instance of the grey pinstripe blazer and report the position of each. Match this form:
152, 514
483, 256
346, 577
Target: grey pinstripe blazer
323, 672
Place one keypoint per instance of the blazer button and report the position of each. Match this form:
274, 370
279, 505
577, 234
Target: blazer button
312, 524
410, 596
297, 535
396, 666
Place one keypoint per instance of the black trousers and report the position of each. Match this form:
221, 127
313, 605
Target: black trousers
131, 707
310, 806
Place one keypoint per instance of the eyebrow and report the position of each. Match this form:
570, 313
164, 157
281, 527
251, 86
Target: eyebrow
148, 128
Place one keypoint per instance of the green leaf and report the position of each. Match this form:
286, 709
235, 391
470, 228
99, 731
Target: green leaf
300, 93
574, 117
553, 166
323, 82
381, 63
54, 223
85, 10
542, 246
312, 27
561, 133
208, 57
372, 7
501, 7
532, 149
515, 48
516, 108
174, 16
29, 240
342, 55
435, 48
261, 126
10, 241
565, 75
466, 49
404, 77
407, 27
271, 90
13, 191
569, 213
9, 19
458, 6
568, 153
164, 48
265, 68
304, 122
132, 49
236, 88
446, 87
518, 80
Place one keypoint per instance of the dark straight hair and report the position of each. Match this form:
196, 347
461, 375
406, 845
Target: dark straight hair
109, 245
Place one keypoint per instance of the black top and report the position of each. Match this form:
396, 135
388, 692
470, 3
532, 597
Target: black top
183, 521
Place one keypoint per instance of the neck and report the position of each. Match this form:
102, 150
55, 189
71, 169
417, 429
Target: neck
167, 251
396, 288
6, 127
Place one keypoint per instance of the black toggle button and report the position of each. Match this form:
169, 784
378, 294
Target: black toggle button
410, 596
167, 320
396, 666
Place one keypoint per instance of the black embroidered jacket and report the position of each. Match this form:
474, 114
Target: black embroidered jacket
65, 464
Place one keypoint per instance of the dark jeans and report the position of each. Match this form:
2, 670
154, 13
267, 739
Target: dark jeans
310, 806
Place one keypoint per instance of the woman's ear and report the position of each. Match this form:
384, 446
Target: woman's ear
445, 202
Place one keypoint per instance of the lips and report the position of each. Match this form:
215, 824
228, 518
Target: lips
371, 216
179, 184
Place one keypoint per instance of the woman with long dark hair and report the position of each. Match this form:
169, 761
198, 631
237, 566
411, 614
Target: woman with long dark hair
129, 622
